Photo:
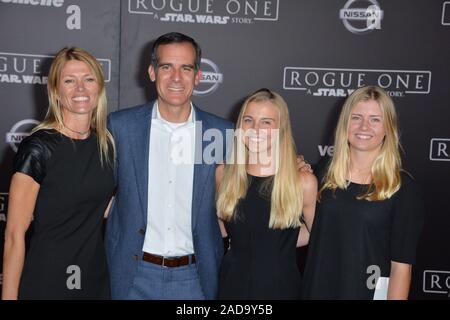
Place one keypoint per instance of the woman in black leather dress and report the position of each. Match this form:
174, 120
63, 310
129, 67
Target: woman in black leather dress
63, 179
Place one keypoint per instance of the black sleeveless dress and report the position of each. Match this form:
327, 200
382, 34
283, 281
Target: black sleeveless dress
66, 258
261, 262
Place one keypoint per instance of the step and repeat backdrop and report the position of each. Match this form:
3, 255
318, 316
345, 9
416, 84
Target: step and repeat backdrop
312, 52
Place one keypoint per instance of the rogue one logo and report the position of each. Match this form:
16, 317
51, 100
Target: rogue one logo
446, 14
211, 78
361, 20
338, 82
436, 281
440, 149
26, 68
20, 131
207, 11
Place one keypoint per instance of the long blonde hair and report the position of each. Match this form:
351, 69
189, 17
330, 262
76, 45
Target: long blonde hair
286, 195
385, 171
54, 116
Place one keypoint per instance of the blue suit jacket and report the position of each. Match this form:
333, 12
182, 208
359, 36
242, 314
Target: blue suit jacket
127, 220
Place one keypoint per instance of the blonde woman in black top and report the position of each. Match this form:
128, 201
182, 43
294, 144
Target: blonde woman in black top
370, 212
63, 177
263, 198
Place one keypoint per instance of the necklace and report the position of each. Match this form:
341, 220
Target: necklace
350, 178
81, 133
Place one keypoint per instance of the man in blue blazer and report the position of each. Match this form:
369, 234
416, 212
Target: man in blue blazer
162, 238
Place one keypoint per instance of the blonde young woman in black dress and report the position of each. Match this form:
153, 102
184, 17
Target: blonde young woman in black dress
370, 212
262, 201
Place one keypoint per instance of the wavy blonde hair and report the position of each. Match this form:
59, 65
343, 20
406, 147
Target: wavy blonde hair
286, 192
385, 171
54, 116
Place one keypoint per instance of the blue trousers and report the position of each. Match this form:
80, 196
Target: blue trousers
154, 282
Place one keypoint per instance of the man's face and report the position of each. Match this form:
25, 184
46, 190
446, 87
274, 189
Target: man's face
175, 75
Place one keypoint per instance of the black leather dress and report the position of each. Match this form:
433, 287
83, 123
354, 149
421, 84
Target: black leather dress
66, 258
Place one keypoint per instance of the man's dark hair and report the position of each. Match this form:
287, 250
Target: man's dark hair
176, 37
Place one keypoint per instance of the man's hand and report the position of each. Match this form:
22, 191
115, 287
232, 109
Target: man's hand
302, 165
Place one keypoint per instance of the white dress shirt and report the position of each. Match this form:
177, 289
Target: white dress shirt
170, 186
